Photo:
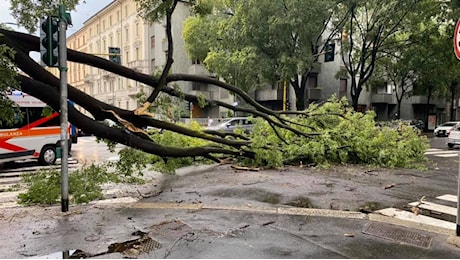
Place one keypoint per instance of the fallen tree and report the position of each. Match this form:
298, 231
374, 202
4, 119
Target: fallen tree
331, 133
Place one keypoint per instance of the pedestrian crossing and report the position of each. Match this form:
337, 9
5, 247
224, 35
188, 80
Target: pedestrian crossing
442, 153
439, 214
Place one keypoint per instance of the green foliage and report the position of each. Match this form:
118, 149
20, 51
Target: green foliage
28, 13
8, 72
44, 187
168, 138
202, 101
132, 162
339, 136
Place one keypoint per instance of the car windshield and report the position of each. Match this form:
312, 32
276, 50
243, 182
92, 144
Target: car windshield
449, 124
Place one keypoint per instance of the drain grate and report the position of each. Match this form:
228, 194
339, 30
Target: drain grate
397, 234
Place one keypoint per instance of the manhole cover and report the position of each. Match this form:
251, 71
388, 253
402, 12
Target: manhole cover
171, 229
398, 234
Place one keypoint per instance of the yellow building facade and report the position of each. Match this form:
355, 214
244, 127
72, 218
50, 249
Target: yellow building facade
117, 25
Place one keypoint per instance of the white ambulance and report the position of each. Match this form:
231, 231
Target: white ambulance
35, 136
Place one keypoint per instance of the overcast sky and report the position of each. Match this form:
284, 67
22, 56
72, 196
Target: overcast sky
82, 13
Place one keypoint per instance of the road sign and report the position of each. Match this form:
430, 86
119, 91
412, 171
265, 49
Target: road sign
457, 40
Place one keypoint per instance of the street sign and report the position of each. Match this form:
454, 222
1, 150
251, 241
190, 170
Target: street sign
457, 40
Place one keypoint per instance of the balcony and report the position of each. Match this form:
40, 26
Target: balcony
422, 100
107, 74
383, 98
90, 78
132, 91
139, 65
314, 93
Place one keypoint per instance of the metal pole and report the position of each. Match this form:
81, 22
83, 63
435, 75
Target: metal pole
284, 96
458, 198
64, 110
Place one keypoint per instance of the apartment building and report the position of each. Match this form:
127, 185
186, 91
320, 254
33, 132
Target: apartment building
116, 26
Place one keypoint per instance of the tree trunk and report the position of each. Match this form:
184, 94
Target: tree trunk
300, 97
355, 92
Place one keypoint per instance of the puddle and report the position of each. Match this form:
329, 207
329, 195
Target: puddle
57, 255
254, 194
130, 249
371, 206
300, 202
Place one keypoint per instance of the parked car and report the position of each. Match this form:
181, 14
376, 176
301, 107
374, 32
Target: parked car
230, 124
443, 129
417, 124
454, 136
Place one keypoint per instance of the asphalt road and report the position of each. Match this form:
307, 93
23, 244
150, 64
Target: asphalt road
221, 212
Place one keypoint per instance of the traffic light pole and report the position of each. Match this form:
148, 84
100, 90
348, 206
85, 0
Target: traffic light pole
64, 110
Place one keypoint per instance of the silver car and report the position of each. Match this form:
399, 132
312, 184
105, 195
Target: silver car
230, 124
454, 136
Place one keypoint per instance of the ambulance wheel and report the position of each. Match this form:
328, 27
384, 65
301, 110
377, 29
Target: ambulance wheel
48, 155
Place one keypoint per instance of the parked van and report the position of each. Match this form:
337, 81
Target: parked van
34, 136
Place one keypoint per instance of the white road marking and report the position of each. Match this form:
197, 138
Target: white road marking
435, 207
409, 216
448, 197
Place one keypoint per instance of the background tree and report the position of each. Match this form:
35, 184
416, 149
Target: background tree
252, 43
370, 32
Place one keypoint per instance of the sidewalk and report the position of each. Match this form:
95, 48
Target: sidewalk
220, 212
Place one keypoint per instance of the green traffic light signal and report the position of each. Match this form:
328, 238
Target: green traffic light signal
114, 55
49, 41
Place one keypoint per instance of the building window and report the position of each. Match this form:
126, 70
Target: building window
137, 29
152, 42
138, 54
126, 11
110, 20
199, 86
118, 38
103, 25
312, 81
126, 57
118, 16
330, 51
361, 108
343, 85
126, 34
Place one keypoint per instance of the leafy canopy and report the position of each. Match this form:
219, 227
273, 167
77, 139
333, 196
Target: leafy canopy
255, 42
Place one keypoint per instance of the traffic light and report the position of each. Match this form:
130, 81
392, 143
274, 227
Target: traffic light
114, 55
49, 41
288, 105
330, 50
